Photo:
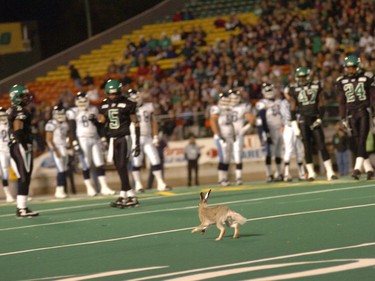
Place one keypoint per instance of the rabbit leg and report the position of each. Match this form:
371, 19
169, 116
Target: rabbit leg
222, 231
236, 227
201, 227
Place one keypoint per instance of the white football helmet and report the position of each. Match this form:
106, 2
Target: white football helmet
82, 102
224, 100
134, 96
58, 113
268, 91
235, 97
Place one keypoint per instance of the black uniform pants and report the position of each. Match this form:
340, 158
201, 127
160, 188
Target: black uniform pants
23, 157
193, 166
359, 123
121, 154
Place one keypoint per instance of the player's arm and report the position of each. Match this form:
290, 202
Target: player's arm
214, 125
51, 144
293, 113
134, 119
155, 129
18, 134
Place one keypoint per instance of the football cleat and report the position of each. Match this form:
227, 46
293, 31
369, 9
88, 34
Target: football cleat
107, 191
25, 213
165, 188
122, 202
370, 175
356, 174
224, 183
288, 178
269, 179
239, 181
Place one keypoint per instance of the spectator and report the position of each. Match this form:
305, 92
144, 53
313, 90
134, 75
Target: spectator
75, 76
88, 79
340, 143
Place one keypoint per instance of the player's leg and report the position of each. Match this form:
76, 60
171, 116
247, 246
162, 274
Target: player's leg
277, 150
307, 144
4, 168
153, 155
364, 125
320, 142
61, 167
98, 160
237, 155
85, 160
223, 166
136, 168
288, 149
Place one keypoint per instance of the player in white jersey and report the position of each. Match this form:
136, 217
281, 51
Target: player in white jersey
268, 113
242, 119
149, 140
5, 155
292, 144
87, 142
56, 139
223, 131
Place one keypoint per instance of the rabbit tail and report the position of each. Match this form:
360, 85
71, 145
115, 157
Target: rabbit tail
237, 218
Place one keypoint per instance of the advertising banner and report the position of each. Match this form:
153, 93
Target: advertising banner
11, 38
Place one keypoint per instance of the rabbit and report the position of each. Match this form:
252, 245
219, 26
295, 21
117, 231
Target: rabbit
217, 215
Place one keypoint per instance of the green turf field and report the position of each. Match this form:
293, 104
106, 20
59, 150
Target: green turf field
295, 231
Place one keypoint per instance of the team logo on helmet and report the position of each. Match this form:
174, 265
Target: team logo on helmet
113, 87
302, 75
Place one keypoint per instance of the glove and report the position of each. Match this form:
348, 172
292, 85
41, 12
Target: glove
219, 137
104, 143
244, 129
345, 124
316, 124
296, 130
136, 150
268, 138
155, 141
77, 149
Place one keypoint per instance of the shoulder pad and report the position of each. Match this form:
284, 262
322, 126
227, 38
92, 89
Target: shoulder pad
368, 74
339, 78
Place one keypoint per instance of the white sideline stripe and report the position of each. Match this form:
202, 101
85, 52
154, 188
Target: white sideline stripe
257, 261
182, 208
175, 230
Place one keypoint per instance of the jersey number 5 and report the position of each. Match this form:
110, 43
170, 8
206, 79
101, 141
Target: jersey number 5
114, 121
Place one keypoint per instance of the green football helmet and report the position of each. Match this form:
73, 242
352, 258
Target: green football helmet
302, 75
352, 64
113, 87
19, 95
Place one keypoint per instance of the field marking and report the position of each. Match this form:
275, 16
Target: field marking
257, 261
175, 230
179, 209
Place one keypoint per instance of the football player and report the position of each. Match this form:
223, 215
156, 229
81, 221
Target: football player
242, 119
21, 145
149, 140
5, 155
268, 112
356, 92
307, 99
117, 113
87, 142
56, 138
223, 131
292, 144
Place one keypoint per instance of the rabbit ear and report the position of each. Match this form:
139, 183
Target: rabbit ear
202, 196
207, 195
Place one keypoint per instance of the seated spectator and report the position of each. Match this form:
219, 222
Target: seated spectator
177, 16
165, 41
112, 67
88, 79
175, 37
233, 23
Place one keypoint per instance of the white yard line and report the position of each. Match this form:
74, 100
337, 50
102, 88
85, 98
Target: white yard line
176, 209
176, 230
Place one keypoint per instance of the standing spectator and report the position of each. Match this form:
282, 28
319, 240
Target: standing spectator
192, 154
88, 80
117, 119
21, 145
75, 76
355, 91
5, 155
340, 143
56, 134
307, 99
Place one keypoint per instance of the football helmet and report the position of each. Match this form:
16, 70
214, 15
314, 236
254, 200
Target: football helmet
3, 116
58, 113
224, 100
268, 91
302, 75
352, 64
113, 87
235, 97
19, 95
82, 102
134, 96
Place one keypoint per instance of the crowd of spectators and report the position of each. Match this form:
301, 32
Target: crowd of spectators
289, 34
